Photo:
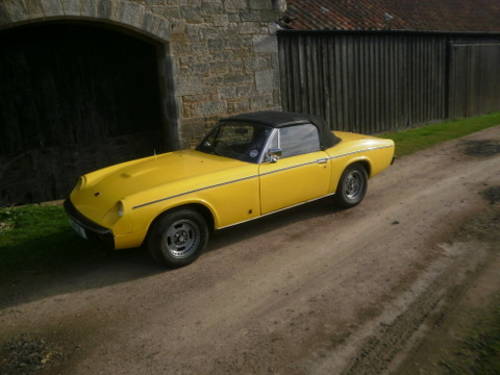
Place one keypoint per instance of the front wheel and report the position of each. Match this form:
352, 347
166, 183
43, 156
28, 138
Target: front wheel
352, 186
178, 237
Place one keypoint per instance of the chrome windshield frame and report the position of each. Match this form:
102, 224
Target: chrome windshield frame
262, 158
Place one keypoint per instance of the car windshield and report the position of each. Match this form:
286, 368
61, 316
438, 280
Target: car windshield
237, 140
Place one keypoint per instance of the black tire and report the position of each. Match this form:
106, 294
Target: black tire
178, 237
352, 186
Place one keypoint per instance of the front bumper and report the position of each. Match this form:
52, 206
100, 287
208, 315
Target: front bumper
93, 231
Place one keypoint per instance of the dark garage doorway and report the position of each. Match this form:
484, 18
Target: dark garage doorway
73, 98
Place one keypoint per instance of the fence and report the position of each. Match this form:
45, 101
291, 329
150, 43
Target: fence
377, 81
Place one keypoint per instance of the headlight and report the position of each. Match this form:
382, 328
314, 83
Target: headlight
121, 209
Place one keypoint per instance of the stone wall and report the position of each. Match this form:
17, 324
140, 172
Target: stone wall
221, 54
225, 55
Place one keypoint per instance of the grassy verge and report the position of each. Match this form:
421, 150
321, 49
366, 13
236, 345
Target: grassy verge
36, 239
412, 140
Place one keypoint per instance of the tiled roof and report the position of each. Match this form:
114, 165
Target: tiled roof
417, 15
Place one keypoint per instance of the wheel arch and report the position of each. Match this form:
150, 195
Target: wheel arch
343, 200
364, 161
201, 207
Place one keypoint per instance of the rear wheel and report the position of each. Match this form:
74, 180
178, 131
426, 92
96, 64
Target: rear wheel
352, 186
178, 237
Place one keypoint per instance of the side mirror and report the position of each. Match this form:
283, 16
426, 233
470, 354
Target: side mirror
274, 154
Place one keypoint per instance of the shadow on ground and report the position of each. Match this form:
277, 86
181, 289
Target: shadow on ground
65, 263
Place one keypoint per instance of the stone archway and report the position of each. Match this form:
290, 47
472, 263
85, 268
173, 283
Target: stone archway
126, 14
119, 16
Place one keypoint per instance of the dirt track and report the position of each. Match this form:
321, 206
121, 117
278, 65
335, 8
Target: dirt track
309, 291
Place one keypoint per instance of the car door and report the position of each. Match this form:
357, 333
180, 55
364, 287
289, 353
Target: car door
300, 174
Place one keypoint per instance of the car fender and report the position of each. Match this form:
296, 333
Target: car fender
341, 164
156, 212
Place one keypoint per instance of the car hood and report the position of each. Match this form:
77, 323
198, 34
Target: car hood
156, 176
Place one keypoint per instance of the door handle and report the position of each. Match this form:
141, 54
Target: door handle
322, 161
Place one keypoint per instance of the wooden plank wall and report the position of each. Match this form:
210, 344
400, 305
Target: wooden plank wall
372, 83
474, 79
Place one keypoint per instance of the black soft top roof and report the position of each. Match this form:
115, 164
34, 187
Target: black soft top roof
278, 119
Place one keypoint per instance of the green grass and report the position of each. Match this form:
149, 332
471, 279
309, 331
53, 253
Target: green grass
412, 140
36, 239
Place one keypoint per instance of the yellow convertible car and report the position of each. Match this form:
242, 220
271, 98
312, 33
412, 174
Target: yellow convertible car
248, 166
